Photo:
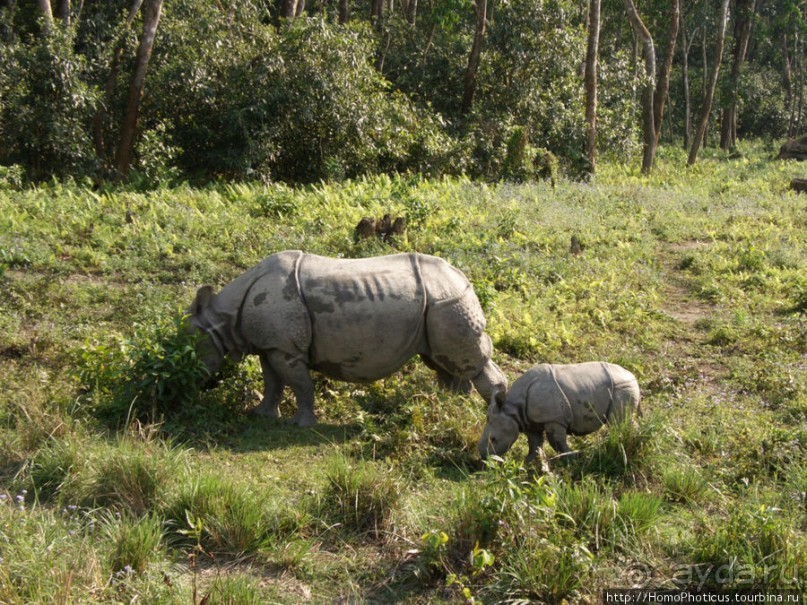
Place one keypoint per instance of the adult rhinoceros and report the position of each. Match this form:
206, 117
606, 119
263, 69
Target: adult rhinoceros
356, 320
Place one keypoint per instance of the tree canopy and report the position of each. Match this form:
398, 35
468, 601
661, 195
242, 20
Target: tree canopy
306, 91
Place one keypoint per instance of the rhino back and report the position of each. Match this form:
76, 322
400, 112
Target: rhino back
536, 389
589, 387
366, 314
442, 281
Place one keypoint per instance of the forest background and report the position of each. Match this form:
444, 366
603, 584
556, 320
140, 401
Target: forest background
306, 91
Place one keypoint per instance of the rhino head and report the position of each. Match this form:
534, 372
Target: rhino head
501, 429
210, 347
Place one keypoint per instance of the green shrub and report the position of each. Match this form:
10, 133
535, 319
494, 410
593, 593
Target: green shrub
154, 374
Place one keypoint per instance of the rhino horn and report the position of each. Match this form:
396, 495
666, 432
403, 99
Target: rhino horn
204, 297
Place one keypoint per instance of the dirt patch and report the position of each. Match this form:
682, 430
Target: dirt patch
680, 303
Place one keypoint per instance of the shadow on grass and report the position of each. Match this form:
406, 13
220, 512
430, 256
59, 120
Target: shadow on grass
259, 434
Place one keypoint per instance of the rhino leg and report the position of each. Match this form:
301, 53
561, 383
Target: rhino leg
556, 434
536, 440
295, 374
446, 380
490, 381
272, 391
459, 346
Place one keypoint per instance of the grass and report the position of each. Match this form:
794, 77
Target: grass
119, 481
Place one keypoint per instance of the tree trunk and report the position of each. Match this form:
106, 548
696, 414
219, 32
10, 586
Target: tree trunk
47, 15
101, 114
745, 10
787, 83
648, 105
475, 57
798, 75
288, 9
151, 18
591, 81
377, 12
663, 86
710, 92
686, 44
63, 12
344, 11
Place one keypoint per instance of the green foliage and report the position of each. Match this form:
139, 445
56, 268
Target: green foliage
47, 106
668, 262
753, 543
359, 496
154, 374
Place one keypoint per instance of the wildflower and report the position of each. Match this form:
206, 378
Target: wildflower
20, 498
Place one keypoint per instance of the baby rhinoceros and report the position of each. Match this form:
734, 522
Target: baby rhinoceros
558, 400
356, 320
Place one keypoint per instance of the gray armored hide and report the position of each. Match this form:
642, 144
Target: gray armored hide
558, 400
356, 320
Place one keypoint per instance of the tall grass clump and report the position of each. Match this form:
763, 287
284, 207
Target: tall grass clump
219, 516
625, 448
52, 466
135, 542
125, 475
359, 496
683, 483
540, 556
587, 507
234, 589
44, 556
507, 538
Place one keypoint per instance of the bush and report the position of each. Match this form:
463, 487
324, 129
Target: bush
154, 374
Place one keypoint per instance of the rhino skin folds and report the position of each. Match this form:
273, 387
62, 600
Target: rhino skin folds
356, 320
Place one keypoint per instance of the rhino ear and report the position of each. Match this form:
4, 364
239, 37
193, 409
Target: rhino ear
496, 403
204, 296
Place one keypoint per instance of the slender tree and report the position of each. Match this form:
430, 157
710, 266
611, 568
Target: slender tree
686, 44
63, 12
663, 86
710, 91
592, 53
474, 59
344, 11
151, 18
648, 92
743, 20
102, 111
